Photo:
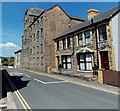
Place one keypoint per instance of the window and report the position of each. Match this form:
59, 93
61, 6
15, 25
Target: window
58, 45
38, 34
34, 19
30, 39
30, 51
41, 48
80, 39
37, 60
34, 37
87, 37
37, 49
66, 62
68, 42
41, 18
64, 43
41, 31
102, 33
37, 22
85, 61
41, 60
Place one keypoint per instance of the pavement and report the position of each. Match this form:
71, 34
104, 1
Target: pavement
49, 91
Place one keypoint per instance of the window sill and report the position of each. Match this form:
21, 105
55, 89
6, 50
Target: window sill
85, 70
86, 44
102, 41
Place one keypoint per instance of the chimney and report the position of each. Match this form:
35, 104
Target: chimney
92, 13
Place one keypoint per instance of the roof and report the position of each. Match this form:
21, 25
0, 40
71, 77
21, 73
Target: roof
66, 53
70, 16
103, 16
42, 11
76, 18
85, 50
18, 51
34, 11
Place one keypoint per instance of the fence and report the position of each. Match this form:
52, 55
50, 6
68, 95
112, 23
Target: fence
111, 77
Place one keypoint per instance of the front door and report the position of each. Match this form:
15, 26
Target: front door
104, 60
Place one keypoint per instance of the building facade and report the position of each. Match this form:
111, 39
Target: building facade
40, 28
17, 61
91, 45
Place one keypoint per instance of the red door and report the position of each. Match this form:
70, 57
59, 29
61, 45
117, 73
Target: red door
104, 60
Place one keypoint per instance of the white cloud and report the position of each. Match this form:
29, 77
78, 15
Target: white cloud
9, 45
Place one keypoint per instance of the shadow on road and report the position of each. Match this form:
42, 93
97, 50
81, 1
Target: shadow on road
16, 80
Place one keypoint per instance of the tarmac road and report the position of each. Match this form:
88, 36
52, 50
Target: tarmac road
42, 92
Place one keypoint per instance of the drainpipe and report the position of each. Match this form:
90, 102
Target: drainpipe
96, 43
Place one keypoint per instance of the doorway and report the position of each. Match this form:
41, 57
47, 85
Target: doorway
104, 60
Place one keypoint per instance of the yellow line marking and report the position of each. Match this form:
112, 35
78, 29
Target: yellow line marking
21, 99
101, 89
18, 96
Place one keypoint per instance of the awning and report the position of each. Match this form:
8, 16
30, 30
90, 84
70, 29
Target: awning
66, 53
85, 50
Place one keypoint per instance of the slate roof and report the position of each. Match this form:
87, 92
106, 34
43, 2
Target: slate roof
103, 16
76, 18
35, 11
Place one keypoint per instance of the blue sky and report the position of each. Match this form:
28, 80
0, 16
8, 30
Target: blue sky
13, 16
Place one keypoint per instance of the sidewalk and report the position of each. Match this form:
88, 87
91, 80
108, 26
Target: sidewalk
90, 84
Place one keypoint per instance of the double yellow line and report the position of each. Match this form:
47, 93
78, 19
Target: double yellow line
20, 97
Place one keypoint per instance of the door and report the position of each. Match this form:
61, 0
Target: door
104, 60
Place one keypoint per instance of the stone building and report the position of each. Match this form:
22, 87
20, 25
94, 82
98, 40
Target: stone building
40, 28
90, 45
17, 61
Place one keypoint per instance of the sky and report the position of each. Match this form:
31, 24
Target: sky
13, 16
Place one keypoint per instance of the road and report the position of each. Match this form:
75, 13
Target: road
42, 92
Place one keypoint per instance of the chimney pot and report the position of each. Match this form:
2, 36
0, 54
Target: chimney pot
92, 13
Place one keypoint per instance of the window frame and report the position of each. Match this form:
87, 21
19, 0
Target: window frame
38, 34
80, 38
41, 31
69, 42
85, 61
66, 61
103, 32
64, 43
58, 45
87, 36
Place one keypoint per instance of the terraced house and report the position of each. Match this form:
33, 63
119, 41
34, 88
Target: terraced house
93, 44
40, 28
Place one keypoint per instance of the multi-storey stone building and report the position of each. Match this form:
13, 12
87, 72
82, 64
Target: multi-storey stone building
40, 28
93, 44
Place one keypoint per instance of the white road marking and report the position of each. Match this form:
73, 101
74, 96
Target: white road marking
49, 82
27, 75
56, 82
39, 81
